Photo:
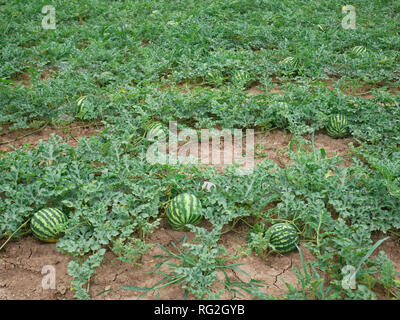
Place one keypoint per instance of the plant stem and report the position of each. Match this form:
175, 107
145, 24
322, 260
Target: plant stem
9, 238
25, 135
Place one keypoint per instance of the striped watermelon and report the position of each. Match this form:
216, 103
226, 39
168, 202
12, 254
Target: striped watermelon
155, 131
241, 78
182, 210
283, 237
48, 224
359, 50
80, 107
292, 62
337, 126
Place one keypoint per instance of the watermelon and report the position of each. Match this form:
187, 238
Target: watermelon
241, 78
283, 237
182, 210
337, 126
155, 131
359, 50
48, 224
80, 107
292, 62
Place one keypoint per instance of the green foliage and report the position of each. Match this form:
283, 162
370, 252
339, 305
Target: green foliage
311, 284
256, 239
81, 273
195, 267
130, 251
140, 62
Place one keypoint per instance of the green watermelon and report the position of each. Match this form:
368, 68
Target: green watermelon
80, 107
292, 62
48, 224
337, 126
241, 78
182, 210
155, 131
283, 237
359, 50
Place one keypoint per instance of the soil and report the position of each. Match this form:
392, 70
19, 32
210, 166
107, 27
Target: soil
22, 262
363, 91
10, 139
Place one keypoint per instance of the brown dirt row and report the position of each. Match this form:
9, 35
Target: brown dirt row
271, 144
22, 262
70, 133
363, 90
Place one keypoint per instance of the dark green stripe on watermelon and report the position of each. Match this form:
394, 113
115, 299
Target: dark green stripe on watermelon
184, 209
47, 224
49, 216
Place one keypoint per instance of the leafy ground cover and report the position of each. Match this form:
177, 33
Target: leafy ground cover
194, 63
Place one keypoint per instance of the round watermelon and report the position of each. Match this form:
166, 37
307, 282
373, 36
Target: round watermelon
155, 131
184, 209
48, 224
337, 126
283, 237
359, 50
292, 62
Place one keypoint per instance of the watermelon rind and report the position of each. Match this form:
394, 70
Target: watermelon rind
48, 224
283, 237
359, 50
80, 107
337, 126
293, 62
155, 131
182, 210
